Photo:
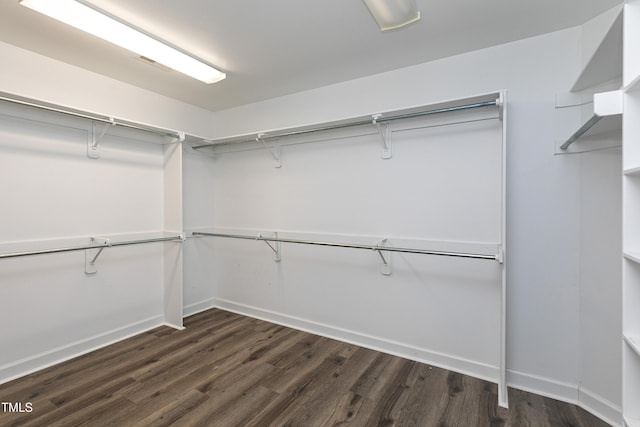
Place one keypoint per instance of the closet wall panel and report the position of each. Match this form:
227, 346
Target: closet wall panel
199, 288
53, 196
442, 188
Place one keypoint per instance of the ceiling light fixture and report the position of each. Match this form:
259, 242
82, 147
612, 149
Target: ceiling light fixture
107, 28
392, 14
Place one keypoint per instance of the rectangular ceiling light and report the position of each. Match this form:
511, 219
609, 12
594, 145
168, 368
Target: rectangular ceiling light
94, 22
392, 14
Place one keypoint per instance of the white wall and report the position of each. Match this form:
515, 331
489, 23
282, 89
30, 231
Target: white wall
544, 199
600, 281
341, 190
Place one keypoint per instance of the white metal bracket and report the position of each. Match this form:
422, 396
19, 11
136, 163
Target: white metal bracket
93, 144
385, 136
180, 137
275, 246
500, 255
274, 150
385, 266
91, 255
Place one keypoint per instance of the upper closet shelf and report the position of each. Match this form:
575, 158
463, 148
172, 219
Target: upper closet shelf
169, 136
605, 119
603, 54
489, 100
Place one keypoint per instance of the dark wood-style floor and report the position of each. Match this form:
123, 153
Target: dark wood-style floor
229, 370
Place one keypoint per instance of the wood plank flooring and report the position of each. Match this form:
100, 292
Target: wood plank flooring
229, 370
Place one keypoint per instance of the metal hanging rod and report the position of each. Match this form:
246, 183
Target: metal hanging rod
102, 119
96, 246
377, 119
583, 129
351, 245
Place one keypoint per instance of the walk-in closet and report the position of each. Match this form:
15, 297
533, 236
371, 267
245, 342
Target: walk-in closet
426, 217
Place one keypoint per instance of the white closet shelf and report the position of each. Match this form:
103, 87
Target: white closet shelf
632, 171
378, 248
632, 256
170, 136
481, 101
26, 248
606, 117
633, 342
606, 61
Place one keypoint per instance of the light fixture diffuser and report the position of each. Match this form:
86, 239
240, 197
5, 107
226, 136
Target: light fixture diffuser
392, 14
92, 21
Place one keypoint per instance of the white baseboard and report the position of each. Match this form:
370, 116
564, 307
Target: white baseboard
567, 392
600, 407
453, 363
49, 358
199, 307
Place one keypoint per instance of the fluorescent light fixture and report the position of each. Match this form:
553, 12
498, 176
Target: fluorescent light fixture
100, 25
391, 14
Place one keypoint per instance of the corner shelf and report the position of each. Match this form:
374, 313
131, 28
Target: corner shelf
606, 61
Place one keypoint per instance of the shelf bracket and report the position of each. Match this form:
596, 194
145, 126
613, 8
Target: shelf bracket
275, 150
91, 255
385, 138
385, 266
93, 144
275, 248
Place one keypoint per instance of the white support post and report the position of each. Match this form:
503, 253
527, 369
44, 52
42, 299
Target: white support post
173, 274
503, 391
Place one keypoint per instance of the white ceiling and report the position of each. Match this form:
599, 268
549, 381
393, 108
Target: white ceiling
277, 47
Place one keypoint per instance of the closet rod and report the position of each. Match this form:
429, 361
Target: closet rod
55, 109
98, 246
351, 245
583, 129
380, 119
